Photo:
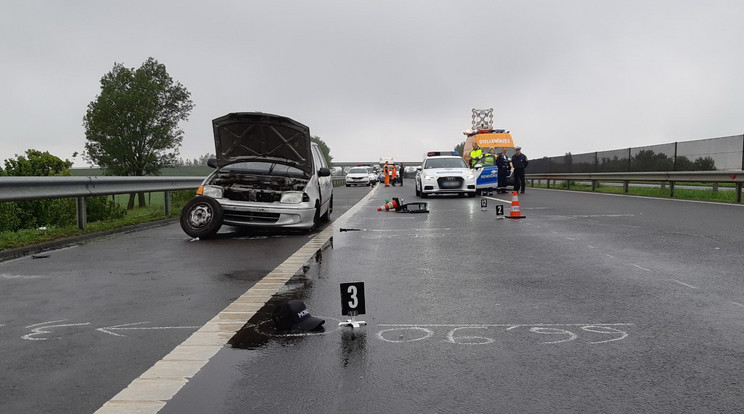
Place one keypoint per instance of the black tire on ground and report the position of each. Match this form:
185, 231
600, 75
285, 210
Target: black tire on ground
201, 217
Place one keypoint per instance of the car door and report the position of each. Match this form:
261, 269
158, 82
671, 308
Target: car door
325, 184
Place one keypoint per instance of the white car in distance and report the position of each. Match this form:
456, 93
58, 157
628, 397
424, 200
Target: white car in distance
358, 176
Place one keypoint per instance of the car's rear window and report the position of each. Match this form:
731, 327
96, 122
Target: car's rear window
358, 171
445, 163
264, 168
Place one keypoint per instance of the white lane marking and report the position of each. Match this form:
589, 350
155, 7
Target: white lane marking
683, 283
145, 388
640, 267
129, 327
43, 329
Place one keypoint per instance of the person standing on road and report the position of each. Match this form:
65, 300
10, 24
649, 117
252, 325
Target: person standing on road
475, 154
386, 172
502, 161
393, 174
519, 161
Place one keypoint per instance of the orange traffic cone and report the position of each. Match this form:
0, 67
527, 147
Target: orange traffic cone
514, 213
391, 205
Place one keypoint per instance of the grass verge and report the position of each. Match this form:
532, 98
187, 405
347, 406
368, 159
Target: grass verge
679, 193
29, 237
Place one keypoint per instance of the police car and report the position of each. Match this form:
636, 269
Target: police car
444, 172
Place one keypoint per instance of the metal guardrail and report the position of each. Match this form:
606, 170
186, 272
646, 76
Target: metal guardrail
671, 177
40, 188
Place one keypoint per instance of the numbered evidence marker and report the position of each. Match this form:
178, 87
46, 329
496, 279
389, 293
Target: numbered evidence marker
352, 303
499, 211
484, 204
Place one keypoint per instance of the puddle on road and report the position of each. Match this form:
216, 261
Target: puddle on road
259, 330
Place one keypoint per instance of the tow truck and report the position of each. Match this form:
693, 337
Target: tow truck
483, 133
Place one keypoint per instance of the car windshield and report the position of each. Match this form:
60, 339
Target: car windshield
264, 168
358, 171
445, 163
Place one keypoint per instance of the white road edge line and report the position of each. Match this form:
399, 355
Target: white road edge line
155, 387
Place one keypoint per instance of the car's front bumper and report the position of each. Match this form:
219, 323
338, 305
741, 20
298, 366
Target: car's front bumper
240, 213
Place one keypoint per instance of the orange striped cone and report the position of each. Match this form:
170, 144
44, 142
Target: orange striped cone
388, 206
515, 213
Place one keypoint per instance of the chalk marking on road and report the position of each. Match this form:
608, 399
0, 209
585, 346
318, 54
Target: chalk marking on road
10, 276
640, 267
597, 330
42, 329
590, 246
610, 256
496, 325
683, 283
143, 393
570, 238
425, 331
735, 303
130, 327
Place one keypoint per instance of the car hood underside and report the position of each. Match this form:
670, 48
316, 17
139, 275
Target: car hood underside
259, 136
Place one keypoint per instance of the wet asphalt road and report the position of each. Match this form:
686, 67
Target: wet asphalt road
80, 323
593, 303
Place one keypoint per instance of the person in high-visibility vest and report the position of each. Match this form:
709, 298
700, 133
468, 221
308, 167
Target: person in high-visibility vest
386, 171
475, 154
393, 174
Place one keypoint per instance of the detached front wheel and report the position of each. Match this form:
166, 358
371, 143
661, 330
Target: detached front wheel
201, 217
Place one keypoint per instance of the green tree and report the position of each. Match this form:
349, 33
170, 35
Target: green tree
324, 148
705, 164
37, 164
131, 128
460, 148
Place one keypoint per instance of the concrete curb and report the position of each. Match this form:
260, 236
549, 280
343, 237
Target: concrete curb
10, 254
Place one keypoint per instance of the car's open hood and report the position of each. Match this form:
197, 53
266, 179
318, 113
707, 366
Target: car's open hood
243, 136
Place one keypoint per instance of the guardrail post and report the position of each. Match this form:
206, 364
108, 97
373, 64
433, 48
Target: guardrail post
671, 189
625, 186
738, 192
715, 187
167, 202
82, 214
594, 185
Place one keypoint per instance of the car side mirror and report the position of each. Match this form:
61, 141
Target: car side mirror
324, 172
212, 162
478, 166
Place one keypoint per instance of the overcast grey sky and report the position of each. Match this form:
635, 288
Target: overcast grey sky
388, 78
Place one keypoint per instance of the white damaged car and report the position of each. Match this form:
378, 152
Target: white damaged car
444, 172
268, 173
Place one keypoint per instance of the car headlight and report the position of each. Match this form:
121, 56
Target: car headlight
212, 191
291, 197
469, 176
428, 177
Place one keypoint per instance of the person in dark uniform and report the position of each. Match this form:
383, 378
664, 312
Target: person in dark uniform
502, 161
519, 162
